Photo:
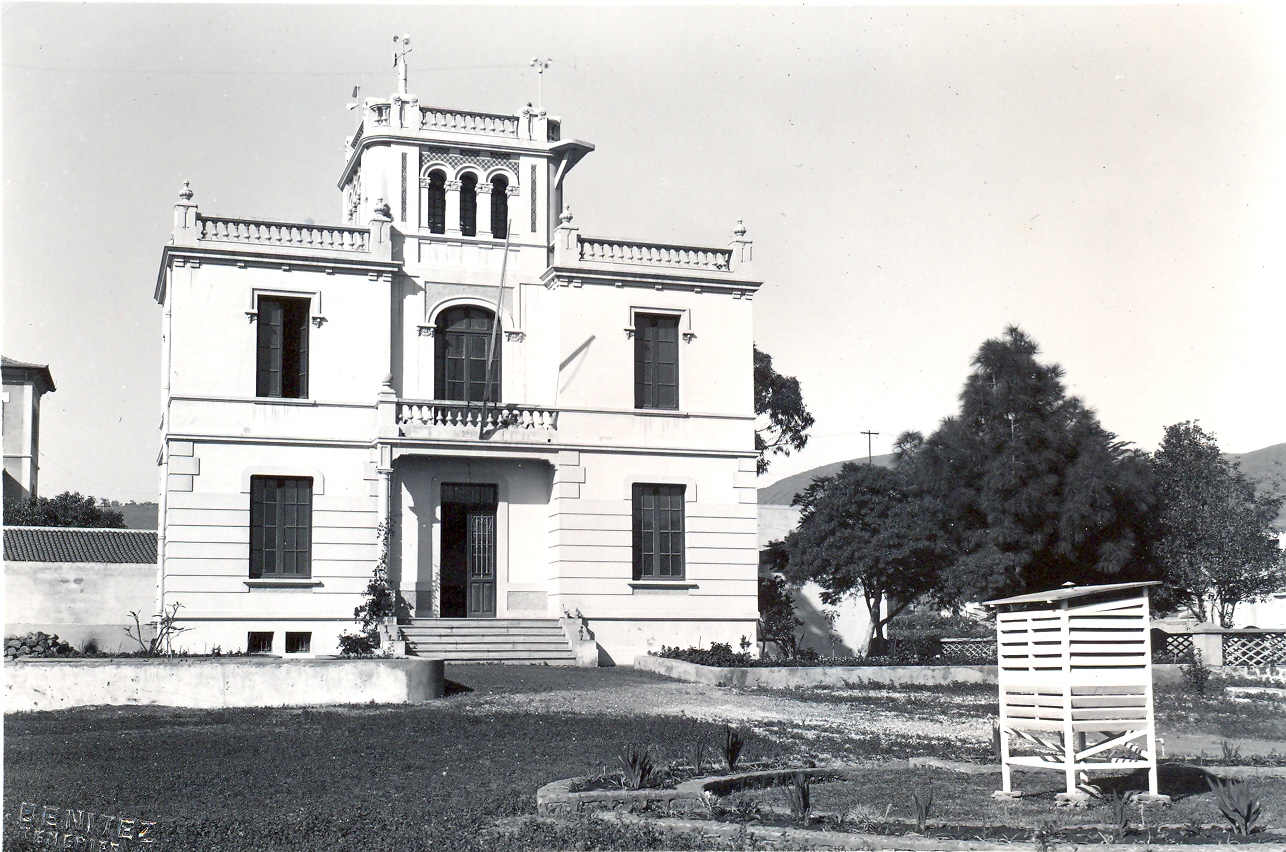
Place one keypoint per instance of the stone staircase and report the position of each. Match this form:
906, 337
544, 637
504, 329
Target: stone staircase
490, 640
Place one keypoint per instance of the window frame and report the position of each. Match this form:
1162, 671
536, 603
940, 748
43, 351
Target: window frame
647, 330
435, 202
282, 324
499, 207
260, 525
469, 204
443, 338
647, 567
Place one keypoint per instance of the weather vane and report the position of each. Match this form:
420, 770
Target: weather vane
399, 60
540, 65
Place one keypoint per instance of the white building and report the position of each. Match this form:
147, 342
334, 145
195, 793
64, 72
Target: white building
319, 381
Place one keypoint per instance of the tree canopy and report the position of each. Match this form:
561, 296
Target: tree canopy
867, 531
69, 509
1037, 492
781, 419
1217, 543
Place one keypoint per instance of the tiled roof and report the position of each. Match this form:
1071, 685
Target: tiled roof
38, 373
65, 544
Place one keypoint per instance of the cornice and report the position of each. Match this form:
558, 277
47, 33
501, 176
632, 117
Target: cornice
577, 276
546, 150
253, 256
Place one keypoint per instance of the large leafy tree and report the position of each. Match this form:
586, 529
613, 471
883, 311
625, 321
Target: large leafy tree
781, 419
868, 531
1217, 545
69, 509
1037, 491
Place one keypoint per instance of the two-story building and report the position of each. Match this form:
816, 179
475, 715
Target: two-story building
549, 424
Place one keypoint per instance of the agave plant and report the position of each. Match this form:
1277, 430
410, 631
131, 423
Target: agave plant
922, 800
1238, 803
732, 743
636, 764
1120, 813
797, 797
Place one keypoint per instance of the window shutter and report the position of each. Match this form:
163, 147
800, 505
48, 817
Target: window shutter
301, 330
257, 532
268, 360
637, 500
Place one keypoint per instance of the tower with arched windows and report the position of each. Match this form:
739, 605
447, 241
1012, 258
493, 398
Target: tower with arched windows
549, 435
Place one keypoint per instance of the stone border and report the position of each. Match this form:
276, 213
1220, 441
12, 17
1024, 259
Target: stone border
791, 677
795, 677
822, 839
37, 684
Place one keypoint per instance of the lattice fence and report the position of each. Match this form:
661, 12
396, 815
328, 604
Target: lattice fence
969, 652
1172, 648
1254, 649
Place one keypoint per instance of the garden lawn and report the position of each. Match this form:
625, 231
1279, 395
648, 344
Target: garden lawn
443, 774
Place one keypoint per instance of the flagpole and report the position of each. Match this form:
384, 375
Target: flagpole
495, 332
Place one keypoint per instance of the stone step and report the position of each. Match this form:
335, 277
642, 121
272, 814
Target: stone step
493, 645
456, 656
483, 622
490, 640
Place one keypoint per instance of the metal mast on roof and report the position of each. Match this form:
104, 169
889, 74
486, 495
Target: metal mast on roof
540, 65
399, 60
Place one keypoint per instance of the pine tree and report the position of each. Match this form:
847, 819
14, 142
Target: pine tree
1037, 491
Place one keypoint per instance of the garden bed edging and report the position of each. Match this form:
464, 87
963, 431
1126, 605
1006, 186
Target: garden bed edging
52, 684
790, 677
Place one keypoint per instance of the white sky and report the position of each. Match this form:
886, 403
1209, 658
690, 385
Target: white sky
914, 180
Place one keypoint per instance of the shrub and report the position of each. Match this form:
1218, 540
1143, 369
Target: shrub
719, 654
358, 644
777, 621
922, 801
1196, 676
69, 509
167, 630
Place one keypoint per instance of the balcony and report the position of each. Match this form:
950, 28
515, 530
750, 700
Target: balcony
438, 420
282, 234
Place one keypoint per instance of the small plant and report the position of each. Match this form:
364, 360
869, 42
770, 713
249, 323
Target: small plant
1120, 803
922, 800
216, 651
166, 630
745, 645
695, 752
797, 797
995, 740
1230, 753
1196, 676
732, 744
636, 764
1238, 804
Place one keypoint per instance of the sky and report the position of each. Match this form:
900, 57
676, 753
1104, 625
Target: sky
914, 179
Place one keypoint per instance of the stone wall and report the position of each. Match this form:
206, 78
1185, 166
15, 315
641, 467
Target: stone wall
78, 601
42, 684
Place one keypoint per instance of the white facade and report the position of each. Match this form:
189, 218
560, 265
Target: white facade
563, 446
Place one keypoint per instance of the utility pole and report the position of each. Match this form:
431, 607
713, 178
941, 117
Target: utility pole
540, 65
869, 458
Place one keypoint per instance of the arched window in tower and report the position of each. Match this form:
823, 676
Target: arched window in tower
435, 207
469, 205
461, 338
499, 207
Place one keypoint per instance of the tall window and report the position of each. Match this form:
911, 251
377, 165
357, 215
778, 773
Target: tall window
281, 363
658, 532
469, 205
499, 207
281, 527
435, 212
656, 361
462, 336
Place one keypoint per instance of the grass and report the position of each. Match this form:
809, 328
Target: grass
456, 774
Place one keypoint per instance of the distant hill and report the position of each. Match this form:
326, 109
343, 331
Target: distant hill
781, 492
138, 516
1267, 467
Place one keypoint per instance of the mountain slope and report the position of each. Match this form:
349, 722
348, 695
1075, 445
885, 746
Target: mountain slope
781, 492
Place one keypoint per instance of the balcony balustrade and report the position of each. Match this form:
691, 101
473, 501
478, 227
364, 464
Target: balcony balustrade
440, 419
265, 233
487, 124
595, 250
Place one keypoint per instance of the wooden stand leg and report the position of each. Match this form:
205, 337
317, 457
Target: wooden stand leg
1006, 774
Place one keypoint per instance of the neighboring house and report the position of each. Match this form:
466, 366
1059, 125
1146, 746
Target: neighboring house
24, 385
79, 584
320, 382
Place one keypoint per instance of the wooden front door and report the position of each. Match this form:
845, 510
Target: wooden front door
468, 566
481, 531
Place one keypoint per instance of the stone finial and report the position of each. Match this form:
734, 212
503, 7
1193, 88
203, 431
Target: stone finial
740, 230
387, 380
566, 216
382, 208
186, 192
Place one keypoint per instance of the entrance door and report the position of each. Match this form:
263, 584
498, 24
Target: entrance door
481, 526
468, 565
